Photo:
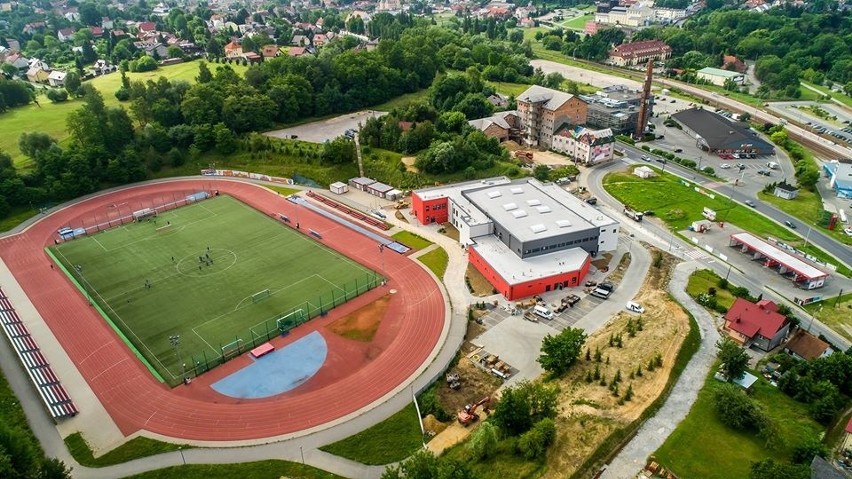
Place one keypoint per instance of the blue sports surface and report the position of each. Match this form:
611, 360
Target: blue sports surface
277, 372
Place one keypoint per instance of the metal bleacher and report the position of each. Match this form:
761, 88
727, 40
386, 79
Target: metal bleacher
51, 391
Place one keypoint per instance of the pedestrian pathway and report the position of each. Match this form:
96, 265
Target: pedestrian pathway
657, 429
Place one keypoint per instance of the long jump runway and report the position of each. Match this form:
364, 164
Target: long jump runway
351, 378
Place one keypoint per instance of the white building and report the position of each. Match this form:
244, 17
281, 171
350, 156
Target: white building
717, 76
584, 145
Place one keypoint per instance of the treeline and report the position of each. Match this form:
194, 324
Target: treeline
439, 129
167, 122
787, 42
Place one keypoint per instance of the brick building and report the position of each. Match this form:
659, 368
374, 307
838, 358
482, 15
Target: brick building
543, 111
637, 53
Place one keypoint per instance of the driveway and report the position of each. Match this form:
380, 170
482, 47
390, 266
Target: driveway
323, 130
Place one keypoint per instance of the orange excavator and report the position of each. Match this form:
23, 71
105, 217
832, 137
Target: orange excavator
468, 415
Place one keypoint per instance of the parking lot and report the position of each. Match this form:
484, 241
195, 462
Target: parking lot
838, 129
320, 131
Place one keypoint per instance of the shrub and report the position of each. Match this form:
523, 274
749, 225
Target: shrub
483, 441
122, 94
534, 443
56, 95
739, 411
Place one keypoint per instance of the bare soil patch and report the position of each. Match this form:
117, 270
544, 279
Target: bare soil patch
603, 261
362, 324
511, 145
477, 283
400, 216
450, 231
550, 158
590, 411
408, 161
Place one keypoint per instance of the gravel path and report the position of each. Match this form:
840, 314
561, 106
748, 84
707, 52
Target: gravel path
654, 432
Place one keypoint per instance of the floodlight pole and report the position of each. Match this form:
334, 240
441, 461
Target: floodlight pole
807, 237
175, 341
382, 255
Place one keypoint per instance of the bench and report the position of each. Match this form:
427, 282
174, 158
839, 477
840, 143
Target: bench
264, 348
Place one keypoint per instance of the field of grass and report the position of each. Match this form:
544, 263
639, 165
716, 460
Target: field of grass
845, 99
701, 281
391, 440
208, 303
270, 469
506, 88
834, 312
702, 446
283, 190
403, 101
412, 240
808, 208
436, 260
679, 205
578, 23
50, 117
135, 448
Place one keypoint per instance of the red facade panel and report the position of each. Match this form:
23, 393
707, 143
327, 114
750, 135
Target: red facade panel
430, 211
567, 279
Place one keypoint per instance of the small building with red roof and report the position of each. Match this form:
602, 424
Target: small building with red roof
756, 324
847, 441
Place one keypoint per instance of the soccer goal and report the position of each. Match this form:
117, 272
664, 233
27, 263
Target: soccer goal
232, 349
260, 296
291, 320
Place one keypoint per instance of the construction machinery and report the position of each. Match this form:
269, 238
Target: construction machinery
633, 214
401, 204
469, 415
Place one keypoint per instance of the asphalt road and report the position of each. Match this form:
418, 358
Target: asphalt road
840, 251
660, 236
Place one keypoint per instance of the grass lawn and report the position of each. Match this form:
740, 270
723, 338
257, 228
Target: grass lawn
845, 99
702, 446
403, 101
513, 89
578, 23
17, 217
283, 190
50, 117
436, 260
808, 208
503, 463
679, 205
391, 440
259, 272
412, 240
251, 470
835, 313
701, 281
134, 449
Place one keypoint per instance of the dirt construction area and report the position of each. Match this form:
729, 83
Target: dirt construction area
641, 353
322, 130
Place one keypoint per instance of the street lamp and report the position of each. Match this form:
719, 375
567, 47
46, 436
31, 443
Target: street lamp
808, 236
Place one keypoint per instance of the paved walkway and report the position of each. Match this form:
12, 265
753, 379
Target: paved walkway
654, 432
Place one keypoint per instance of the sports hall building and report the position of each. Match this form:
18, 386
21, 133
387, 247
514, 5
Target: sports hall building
524, 236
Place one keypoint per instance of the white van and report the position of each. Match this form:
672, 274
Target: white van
772, 165
635, 307
601, 293
543, 312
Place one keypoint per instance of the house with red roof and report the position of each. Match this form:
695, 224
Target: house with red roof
147, 27
847, 440
756, 324
233, 50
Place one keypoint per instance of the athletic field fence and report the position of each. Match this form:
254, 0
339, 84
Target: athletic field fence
281, 324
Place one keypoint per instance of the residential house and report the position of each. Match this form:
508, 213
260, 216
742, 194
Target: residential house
146, 27
297, 51
102, 67
732, 63
71, 14
38, 72
364, 16
756, 324
18, 61
526, 23
161, 9
636, 53
505, 125
543, 111
156, 50
786, 191
320, 39
56, 78
13, 44
806, 346
300, 41
252, 57
217, 21
65, 35
498, 101
319, 24
97, 32
270, 51
107, 23
584, 145
34, 27
233, 50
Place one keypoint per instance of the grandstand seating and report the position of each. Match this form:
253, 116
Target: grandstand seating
349, 211
51, 391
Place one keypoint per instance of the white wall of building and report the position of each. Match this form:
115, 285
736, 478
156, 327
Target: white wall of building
608, 238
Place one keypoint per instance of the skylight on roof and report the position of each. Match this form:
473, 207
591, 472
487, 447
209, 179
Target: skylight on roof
510, 206
543, 209
538, 228
517, 191
533, 202
519, 214
563, 223
494, 194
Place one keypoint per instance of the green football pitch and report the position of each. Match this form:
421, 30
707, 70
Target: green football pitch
212, 273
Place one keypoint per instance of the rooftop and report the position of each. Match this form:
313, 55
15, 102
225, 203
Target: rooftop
718, 132
807, 345
553, 98
515, 270
532, 210
751, 319
778, 255
719, 72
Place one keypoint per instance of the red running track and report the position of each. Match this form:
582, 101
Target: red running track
354, 375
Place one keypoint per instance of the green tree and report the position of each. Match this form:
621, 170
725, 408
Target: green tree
523, 405
533, 444
560, 352
541, 172
72, 83
204, 75
804, 453
769, 469
734, 359
483, 441
737, 410
338, 151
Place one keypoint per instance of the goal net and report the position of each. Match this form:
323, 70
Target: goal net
291, 320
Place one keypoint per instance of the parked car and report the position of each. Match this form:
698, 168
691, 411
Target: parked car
635, 307
848, 230
591, 283
646, 158
790, 224
649, 213
751, 203
725, 166
606, 285
764, 172
678, 150
741, 166
592, 200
